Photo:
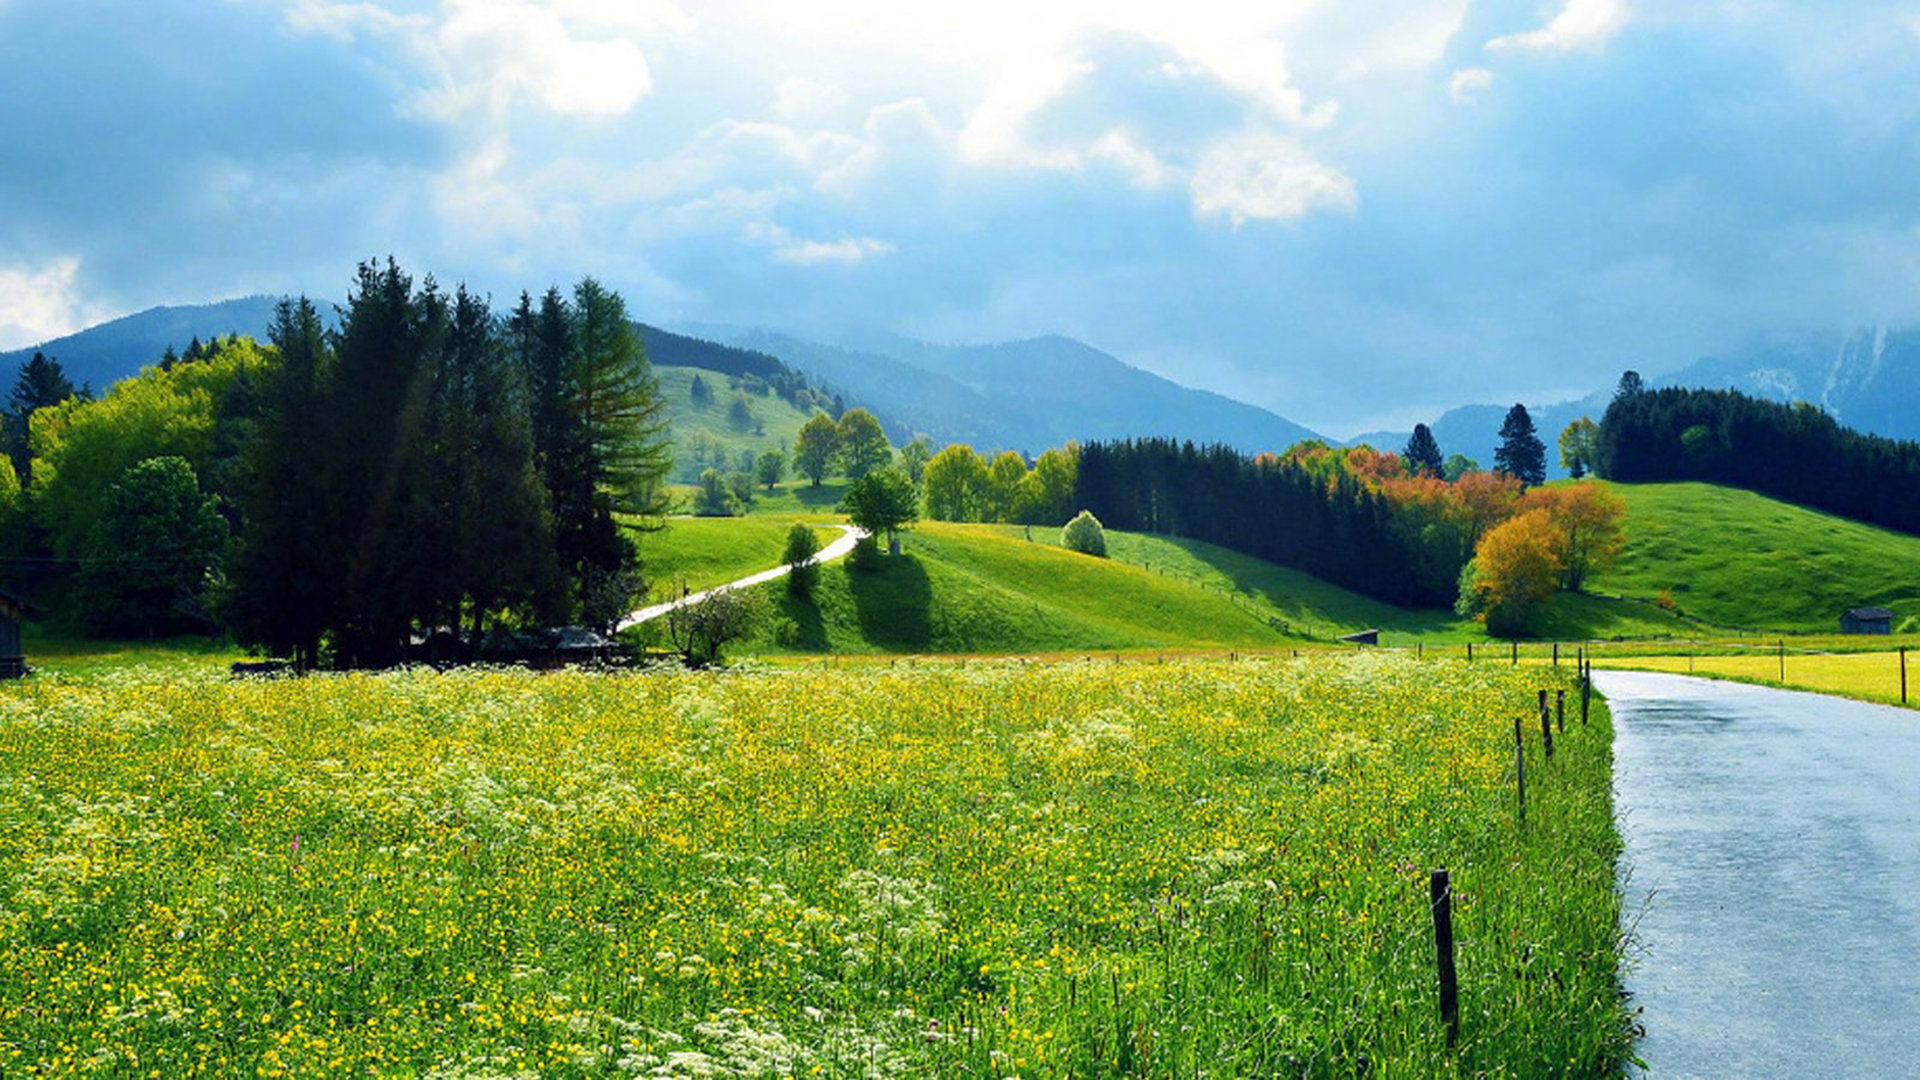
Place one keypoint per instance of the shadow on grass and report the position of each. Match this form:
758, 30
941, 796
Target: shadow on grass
824, 497
799, 624
894, 603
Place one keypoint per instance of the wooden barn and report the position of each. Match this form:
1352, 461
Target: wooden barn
13, 612
1867, 620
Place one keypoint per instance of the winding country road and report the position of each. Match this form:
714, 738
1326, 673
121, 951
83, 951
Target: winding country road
1771, 878
849, 535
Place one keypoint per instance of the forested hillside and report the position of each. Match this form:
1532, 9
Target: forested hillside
1793, 452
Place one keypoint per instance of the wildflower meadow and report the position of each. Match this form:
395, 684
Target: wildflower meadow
1205, 868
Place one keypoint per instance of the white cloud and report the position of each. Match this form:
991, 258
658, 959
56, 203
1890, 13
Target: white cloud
1468, 84
42, 302
578, 58
803, 99
1583, 25
792, 250
1264, 176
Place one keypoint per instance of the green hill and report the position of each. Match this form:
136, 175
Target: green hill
979, 589
991, 589
1744, 561
709, 433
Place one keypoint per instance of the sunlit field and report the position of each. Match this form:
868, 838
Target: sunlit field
1869, 676
1202, 868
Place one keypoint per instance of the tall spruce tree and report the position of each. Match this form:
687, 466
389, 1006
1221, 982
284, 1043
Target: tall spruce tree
1423, 453
285, 573
1521, 454
381, 392
497, 510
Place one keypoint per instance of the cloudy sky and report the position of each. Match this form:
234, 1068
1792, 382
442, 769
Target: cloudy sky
1355, 212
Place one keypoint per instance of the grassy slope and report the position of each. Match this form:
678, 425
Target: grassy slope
1319, 609
1740, 560
780, 419
711, 551
981, 589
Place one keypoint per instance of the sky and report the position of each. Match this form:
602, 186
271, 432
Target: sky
1356, 213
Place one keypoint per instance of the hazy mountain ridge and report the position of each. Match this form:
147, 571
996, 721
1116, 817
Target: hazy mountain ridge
1028, 394
1867, 379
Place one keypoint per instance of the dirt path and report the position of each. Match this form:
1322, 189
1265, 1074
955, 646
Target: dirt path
848, 536
1771, 878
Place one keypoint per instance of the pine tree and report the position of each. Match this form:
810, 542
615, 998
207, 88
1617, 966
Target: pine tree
1630, 385
1423, 453
1521, 454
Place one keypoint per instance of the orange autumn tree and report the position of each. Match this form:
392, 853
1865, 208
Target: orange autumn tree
1514, 573
1589, 522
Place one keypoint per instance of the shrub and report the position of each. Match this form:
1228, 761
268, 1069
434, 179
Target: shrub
802, 546
1085, 535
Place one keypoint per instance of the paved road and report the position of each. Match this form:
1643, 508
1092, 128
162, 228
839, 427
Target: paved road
1773, 866
848, 535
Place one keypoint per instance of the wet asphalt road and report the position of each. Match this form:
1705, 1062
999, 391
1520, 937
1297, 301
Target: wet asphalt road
1771, 878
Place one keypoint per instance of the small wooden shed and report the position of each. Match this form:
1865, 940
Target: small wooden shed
1364, 637
1867, 620
13, 611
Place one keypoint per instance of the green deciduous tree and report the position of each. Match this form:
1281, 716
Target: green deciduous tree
863, 444
1458, 465
956, 484
882, 502
148, 555
1048, 498
802, 547
713, 497
914, 457
1004, 479
816, 447
769, 467
1578, 443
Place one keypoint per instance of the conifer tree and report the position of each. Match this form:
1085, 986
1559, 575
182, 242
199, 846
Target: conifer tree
1521, 454
1423, 453
284, 576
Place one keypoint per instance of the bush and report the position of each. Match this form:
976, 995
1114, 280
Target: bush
715, 497
1085, 535
802, 546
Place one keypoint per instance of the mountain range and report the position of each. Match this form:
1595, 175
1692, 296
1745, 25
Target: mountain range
1026, 395
1867, 379
1041, 392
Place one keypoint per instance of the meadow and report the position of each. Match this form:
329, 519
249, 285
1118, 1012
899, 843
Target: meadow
1865, 676
1202, 868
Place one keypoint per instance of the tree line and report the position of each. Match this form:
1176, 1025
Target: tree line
1275, 509
1794, 452
429, 465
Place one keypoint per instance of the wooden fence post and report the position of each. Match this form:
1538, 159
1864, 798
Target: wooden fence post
1783, 661
1560, 710
1469, 652
1546, 728
1516, 652
1441, 891
1903, 674
1520, 765
1556, 654
1586, 693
